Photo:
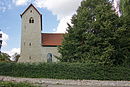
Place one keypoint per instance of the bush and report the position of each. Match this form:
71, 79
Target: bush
10, 84
4, 57
65, 71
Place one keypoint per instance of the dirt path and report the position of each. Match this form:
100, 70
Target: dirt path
67, 83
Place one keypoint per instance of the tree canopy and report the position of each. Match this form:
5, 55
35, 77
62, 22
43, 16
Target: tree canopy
97, 35
125, 7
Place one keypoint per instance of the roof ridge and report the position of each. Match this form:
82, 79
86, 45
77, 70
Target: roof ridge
29, 7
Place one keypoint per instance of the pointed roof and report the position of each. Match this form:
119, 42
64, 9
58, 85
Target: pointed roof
31, 5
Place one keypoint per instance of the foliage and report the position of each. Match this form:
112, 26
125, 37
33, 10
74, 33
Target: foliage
12, 84
97, 35
125, 7
4, 57
65, 71
125, 40
15, 57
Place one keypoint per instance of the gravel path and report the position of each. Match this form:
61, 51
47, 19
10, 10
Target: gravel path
67, 83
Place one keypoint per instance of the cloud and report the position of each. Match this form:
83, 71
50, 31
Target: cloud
62, 26
3, 9
63, 9
20, 2
5, 38
13, 51
9, 6
40, 3
116, 4
4, 5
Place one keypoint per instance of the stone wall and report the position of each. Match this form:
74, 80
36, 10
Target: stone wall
31, 37
52, 50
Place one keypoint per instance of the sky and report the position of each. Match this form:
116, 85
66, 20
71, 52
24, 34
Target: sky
55, 16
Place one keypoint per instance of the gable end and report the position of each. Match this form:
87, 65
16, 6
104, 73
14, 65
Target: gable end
31, 5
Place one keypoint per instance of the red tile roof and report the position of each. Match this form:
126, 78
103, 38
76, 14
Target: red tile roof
52, 39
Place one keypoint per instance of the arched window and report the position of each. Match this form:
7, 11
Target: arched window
30, 44
49, 57
30, 57
31, 20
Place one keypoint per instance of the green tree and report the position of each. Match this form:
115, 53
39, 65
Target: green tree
124, 31
4, 57
15, 57
95, 35
125, 7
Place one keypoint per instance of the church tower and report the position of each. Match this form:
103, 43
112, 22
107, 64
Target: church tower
31, 35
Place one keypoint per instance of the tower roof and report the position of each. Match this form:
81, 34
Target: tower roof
31, 5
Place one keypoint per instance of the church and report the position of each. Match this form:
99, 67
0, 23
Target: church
37, 46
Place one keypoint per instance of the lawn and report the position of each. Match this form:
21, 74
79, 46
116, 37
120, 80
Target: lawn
13, 84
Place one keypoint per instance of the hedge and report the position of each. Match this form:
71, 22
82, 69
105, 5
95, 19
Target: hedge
65, 71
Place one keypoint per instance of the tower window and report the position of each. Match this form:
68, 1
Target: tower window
30, 44
31, 11
31, 20
30, 57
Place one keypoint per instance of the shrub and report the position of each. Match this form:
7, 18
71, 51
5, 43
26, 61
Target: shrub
4, 57
65, 71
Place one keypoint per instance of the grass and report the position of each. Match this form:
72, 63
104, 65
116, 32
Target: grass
65, 71
13, 84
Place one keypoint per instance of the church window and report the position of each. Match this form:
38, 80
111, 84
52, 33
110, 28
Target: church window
24, 43
49, 57
31, 20
29, 57
30, 44
31, 11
